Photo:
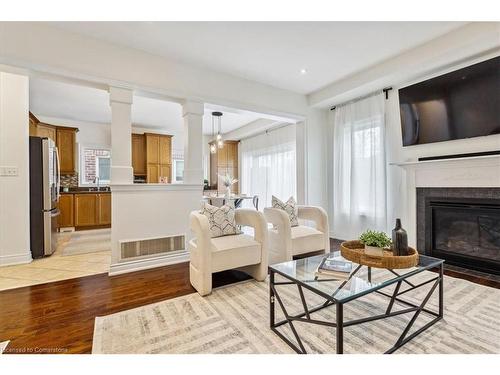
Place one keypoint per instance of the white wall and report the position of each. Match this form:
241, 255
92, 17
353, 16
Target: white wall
316, 148
147, 211
14, 152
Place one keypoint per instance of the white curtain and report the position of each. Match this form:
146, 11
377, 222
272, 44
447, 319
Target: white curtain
268, 165
359, 169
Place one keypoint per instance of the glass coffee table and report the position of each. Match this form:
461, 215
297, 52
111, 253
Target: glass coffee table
337, 293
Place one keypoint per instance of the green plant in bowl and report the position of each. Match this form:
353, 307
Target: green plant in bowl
375, 242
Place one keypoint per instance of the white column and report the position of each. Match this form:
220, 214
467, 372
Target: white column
192, 112
120, 100
14, 170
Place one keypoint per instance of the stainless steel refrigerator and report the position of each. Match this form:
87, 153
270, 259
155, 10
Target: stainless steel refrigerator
44, 195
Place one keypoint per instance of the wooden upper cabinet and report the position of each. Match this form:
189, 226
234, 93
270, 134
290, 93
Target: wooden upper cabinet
222, 156
32, 123
66, 145
224, 161
48, 131
232, 155
165, 150
152, 149
63, 137
139, 154
158, 157
39, 129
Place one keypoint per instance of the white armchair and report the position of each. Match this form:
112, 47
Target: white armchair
286, 241
240, 251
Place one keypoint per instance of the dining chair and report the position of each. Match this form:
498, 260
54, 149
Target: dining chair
255, 201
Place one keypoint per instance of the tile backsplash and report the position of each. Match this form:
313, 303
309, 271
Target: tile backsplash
69, 180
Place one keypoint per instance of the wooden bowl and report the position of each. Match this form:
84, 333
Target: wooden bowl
355, 252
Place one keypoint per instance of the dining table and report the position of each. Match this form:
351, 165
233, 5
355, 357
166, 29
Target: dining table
220, 200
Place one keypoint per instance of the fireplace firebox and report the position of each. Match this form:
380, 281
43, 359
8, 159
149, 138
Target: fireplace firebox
462, 230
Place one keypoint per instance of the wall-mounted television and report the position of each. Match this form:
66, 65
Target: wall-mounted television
462, 104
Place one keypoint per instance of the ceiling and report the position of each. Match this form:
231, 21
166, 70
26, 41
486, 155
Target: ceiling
79, 103
271, 52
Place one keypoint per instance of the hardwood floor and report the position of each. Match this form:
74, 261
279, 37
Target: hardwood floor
58, 317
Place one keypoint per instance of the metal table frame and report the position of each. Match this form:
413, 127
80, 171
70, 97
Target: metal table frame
339, 323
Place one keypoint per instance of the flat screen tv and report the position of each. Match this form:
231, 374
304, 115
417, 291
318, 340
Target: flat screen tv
462, 104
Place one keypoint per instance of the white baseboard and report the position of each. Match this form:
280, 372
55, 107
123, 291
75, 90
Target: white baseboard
144, 264
10, 260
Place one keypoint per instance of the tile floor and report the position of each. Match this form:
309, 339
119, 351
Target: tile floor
55, 267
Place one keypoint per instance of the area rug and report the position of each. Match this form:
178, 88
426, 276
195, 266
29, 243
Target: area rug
3, 346
83, 242
235, 319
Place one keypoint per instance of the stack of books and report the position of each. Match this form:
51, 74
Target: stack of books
334, 267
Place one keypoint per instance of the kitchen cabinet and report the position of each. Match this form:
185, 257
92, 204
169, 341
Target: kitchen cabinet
39, 129
66, 145
65, 205
48, 131
153, 175
92, 209
165, 170
139, 154
152, 148
104, 207
165, 150
32, 124
158, 157
86, 210
63, 137
225, 160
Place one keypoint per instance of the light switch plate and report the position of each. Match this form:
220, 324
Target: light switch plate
9, 171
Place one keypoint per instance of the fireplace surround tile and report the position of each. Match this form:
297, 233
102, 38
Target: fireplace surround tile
423, 193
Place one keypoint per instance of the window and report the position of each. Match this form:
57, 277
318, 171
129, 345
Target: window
359, 171
178, 170
268, 165
94, 162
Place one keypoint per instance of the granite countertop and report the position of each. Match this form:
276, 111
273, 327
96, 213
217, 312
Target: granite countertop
85, 190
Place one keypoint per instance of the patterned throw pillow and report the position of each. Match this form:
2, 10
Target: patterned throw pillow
220, 219
290, 207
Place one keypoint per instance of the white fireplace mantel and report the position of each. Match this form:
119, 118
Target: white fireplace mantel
480, 171
446, 161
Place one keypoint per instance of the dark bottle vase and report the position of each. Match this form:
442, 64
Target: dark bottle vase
399, 240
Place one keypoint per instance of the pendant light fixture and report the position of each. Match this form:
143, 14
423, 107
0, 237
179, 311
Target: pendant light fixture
213, 146
218, 142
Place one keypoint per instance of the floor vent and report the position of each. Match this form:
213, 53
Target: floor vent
151, 247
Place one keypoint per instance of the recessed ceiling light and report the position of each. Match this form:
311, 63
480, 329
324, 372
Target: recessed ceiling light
303, 71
